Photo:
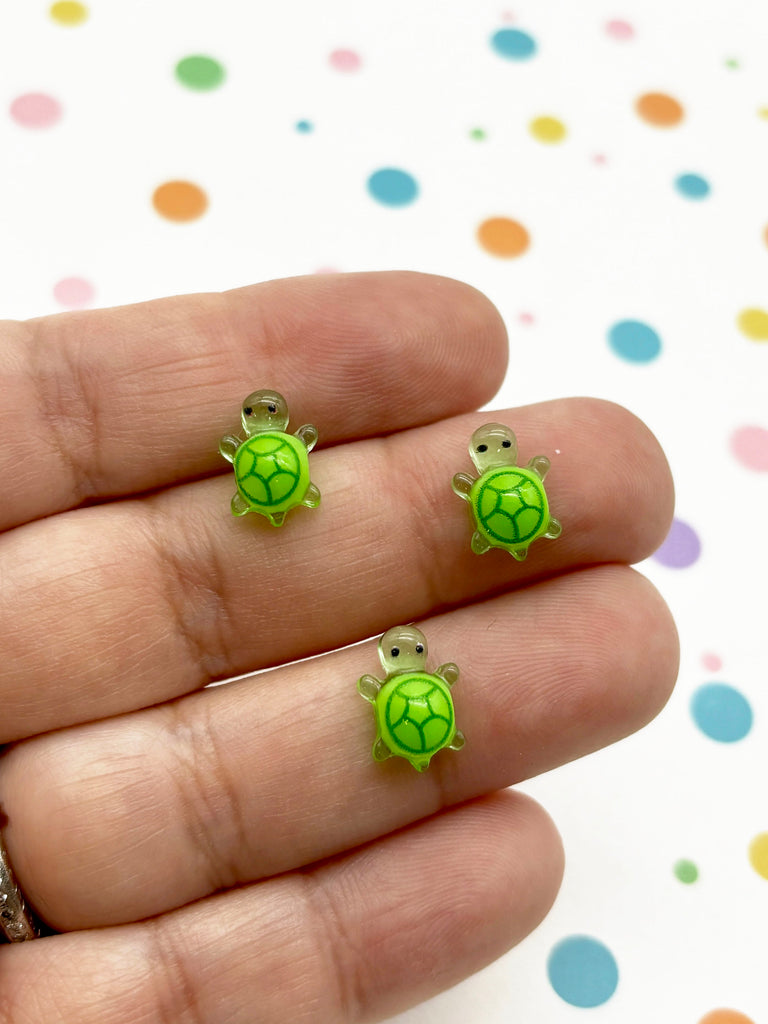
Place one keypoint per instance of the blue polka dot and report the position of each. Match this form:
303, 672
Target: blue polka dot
513, 44
634, 341
692, 186
304, 127
393, 187
582, 971
721, 712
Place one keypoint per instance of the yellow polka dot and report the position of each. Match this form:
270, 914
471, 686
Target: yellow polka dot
763, 112
758, 854
547, 129
69, 12
753, 323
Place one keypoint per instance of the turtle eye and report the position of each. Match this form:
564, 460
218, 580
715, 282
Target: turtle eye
248, 410
506, 444
482, 447
272, 407
395, 652
419, 648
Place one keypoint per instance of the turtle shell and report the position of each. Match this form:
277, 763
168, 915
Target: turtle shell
415, 716
510, 506
272, 471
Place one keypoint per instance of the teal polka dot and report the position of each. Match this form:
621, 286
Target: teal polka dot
513, 44
304, 127
582, 971
393, 187
634, 341
692, 186
721, 712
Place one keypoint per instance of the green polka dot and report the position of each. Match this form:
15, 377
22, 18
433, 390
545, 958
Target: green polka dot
198, 72
478, 134
686, 871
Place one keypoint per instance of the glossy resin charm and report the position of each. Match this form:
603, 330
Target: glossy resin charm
413, 708
508, 502
271, 466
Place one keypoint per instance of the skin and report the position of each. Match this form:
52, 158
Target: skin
206, 852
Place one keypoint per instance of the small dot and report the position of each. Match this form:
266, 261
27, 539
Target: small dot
74, 292
69, 12
658, 109
526, 319
681, 548
513, 44
765, 234
600, 159
732, 63
721, 712
35, 110
180, 200
686, 871
712, 662
304, 127
620, 30
723, 1016
692, 186
504, 237
547, 129
753, 323
749, 445
200, 72
479, 134
345, 60
758, 854
634, 341
393, 187
582, 971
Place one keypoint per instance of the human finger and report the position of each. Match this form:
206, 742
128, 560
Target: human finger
132, 816
140, 602
355, 939
115, 401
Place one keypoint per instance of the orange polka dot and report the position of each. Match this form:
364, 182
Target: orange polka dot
503, 237
180, 200
765, 234
659, 109
725, 1017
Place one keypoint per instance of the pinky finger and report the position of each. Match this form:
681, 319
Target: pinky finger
356, 938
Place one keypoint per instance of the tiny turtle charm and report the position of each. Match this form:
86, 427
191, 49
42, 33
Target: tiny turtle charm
271, 466
413, 708
508, 502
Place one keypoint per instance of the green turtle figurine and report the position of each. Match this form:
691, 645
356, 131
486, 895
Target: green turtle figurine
271, 466
508, 502
413, 708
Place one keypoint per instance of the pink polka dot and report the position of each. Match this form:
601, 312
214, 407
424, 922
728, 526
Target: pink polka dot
600, 159
526, 319
750, 447
712, 662
327, 270
345, 60
73, 292
35, 110
620, 30
508, 16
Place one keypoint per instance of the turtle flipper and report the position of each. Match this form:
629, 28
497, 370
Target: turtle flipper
307, 434
449, 673
479, 544
519, 553
554, 529
539, 465
239, 505
312, 498
462, 485
228, 445
380, 750
458, 740
368, 687
276, 518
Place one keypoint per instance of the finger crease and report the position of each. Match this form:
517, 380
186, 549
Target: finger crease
175, 989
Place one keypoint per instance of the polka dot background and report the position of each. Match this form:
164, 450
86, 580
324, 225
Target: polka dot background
601, 176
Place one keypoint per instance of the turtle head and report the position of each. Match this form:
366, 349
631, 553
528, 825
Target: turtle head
493, 445
403, 649
264, 410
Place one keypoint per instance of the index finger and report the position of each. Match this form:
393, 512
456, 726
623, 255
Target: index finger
109, 402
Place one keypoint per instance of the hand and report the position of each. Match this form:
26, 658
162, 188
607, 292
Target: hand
233, 854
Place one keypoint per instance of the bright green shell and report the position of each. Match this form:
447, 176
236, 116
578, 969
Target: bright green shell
510, 506
415, 716
272, 471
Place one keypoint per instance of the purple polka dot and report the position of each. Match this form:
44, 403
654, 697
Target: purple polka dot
681, 548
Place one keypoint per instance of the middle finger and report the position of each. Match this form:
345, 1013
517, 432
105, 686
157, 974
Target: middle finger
139, 602
123, 819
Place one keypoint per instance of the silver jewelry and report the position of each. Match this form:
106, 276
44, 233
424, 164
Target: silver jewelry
15, 918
